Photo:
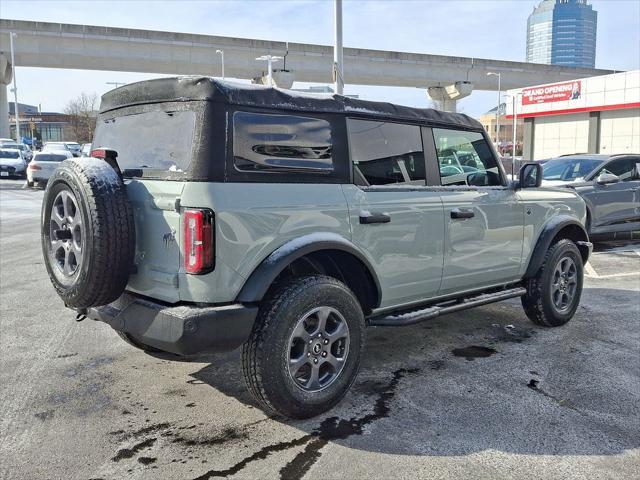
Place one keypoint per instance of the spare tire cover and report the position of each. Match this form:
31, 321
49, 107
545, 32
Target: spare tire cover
88, 233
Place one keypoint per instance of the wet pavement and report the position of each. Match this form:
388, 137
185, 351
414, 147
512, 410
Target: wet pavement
479, 394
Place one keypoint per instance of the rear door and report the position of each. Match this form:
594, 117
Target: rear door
483, 217
395, 219
614, 204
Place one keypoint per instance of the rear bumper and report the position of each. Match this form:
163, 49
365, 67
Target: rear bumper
181, 329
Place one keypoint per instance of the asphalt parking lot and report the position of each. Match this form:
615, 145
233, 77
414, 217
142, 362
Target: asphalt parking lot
79, 403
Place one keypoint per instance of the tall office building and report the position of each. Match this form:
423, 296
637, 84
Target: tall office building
562, 32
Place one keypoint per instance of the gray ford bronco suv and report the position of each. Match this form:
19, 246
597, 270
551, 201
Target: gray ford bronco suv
216, 215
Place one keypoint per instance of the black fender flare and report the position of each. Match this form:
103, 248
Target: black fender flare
262, 278
549, 232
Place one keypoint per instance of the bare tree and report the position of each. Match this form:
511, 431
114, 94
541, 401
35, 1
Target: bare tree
82, 116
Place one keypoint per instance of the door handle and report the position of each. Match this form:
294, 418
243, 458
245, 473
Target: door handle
374, 217
458, 213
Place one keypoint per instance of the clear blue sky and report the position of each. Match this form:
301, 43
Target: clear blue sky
471, 28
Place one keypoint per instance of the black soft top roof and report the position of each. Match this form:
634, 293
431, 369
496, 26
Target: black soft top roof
189, 88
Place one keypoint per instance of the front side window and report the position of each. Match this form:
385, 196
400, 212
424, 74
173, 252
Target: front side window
624, 168
279, 143
386, 153
465, 158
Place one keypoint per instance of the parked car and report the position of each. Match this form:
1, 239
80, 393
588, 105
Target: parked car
55, 146
12, 163
74, 148
610, 186
43, 165
290, 223
85, 151
26, 151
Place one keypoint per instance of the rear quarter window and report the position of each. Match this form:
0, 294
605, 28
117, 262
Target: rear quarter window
265, 143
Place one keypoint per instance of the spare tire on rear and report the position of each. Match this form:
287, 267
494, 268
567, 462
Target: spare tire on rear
88, 233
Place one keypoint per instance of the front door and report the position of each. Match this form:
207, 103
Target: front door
483, 218
615, 205
396, 221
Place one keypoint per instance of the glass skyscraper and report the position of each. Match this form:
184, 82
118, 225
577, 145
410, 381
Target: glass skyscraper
562, 32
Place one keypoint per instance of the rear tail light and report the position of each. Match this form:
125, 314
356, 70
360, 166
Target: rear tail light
34, 167
198, 241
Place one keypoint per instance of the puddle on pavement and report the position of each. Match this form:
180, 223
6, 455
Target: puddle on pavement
472, 352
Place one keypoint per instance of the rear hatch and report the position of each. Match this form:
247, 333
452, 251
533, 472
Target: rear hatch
154, 144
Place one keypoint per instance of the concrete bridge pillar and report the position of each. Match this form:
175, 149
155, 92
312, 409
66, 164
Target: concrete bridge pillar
5, 79
447, 97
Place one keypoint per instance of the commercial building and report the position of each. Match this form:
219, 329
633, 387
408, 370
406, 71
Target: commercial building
504, 140
562, 32
43, 126
587, 115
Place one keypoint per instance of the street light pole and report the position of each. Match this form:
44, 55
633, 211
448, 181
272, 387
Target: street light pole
221, 52
499, 75
337, 48
16, 109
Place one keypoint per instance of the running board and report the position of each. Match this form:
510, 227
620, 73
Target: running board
417, 316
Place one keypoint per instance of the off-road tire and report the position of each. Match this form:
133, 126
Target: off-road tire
265, 355
139, 345
108, 238
537, 302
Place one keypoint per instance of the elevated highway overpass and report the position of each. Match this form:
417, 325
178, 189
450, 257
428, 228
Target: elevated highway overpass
87, 47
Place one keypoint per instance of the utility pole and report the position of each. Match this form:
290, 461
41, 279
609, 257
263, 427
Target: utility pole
515, 123
16, 109
337, 48
221, 53
498, 108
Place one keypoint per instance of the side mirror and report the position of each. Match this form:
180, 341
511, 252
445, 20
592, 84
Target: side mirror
606, 178
530, 175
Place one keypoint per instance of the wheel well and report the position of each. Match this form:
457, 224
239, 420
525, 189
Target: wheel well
576, 234
342, 266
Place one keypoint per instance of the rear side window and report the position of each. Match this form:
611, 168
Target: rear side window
465, 158
155, 141
278, 143
386, 153
6, 154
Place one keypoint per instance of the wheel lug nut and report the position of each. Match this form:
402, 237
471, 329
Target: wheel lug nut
319, 335
324, 354
308, 354
315, 360
310, 342
326, 342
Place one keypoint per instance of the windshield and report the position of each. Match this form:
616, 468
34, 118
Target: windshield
568, 169
9, 154
155, 140
73, 146
49, 157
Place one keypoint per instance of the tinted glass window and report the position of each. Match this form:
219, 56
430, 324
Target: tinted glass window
155, 140
50, 157
625, 168
568, 169
465, 158
9, 154
267, 142
383, 153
